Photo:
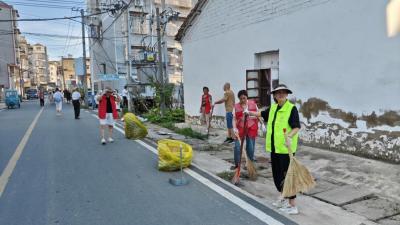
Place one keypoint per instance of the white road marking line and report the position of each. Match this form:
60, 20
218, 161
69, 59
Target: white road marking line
224, 193
17, 154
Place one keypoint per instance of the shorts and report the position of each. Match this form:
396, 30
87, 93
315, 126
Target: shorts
59, 106
229, 120
109, 120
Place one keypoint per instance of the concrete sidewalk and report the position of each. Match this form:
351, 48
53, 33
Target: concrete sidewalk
350, 190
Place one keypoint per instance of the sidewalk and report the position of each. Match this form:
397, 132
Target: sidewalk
350, 190
2, 105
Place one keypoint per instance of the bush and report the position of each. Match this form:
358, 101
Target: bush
169, 119
173, 116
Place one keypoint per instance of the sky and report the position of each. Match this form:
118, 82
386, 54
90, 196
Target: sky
56, 47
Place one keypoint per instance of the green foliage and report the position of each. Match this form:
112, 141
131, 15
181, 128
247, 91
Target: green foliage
167, 90
172, 115
170, 118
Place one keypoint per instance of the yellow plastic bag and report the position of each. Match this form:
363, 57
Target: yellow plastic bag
169, 155
134, 129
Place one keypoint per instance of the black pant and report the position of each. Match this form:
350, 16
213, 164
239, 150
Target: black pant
41, 102
125, 102
77, 108
280, 165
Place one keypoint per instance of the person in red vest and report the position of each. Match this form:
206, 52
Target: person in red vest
244, 127
107, 113
205, 108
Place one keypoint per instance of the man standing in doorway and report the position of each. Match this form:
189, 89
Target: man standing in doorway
229, 100
76, 101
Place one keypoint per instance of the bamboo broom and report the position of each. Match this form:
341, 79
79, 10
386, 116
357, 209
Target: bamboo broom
249, 164
298, 177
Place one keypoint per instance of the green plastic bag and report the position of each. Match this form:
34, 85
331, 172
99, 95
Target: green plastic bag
134, 128
169, 155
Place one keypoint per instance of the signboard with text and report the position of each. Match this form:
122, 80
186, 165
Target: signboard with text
108, 77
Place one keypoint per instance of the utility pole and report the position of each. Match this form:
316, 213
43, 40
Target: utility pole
160, 63
164, 42
85, 94
129, 61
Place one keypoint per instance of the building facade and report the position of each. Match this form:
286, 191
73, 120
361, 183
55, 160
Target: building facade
25, 72
8, 48
333, 54
69, 74
54, 75
109, 49
40, 67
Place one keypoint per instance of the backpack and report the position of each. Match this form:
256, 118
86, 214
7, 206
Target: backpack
57, 98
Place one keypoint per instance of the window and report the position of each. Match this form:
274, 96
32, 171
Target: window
258, 86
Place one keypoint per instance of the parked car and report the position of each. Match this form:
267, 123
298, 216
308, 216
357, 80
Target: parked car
12, 99
32, 94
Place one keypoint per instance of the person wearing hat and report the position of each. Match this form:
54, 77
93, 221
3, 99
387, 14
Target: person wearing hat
282, 114
107, 113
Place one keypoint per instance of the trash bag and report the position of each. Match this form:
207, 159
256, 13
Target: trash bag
134, 129
169, 155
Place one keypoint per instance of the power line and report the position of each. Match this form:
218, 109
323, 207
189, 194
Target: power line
50, 19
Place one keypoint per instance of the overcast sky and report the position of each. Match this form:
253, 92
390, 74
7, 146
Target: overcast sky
56, 47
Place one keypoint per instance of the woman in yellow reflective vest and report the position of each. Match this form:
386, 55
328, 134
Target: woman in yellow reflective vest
282, 114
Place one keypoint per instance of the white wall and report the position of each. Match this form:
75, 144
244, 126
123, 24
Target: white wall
335, 50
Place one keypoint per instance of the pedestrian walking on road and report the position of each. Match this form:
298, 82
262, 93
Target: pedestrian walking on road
281, 115
205, 107
58, 99
107, 113
41, 97
229, 100
244, 130
76, 101
125, 95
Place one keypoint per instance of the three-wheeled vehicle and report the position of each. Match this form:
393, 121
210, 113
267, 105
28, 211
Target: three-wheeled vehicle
12, 99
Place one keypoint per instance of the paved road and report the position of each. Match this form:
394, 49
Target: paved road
64, 176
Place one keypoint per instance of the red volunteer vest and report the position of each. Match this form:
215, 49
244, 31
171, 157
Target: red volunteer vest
103, 107
252, 123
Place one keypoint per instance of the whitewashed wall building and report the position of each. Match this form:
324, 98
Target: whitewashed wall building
335, 55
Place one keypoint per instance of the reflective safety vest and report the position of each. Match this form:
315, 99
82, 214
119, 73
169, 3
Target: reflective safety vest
281, 122
252, 123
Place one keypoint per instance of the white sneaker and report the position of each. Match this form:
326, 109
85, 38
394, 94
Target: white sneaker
281, 202
103, 141
291, 210
110, 140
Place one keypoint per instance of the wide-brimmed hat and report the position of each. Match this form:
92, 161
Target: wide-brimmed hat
281, 87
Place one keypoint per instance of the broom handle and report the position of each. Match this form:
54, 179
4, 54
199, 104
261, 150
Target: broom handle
288, 147
242, 139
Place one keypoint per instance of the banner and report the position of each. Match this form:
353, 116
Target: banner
108, 77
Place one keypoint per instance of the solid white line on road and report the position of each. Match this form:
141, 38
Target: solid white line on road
17, 154
226, 194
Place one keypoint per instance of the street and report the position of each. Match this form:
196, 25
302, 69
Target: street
65, 176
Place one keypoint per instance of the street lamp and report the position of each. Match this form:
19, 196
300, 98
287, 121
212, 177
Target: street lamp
393, 17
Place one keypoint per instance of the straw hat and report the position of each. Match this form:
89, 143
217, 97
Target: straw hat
281, 87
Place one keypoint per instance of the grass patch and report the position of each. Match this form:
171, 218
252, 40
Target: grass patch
187, 132
226, 175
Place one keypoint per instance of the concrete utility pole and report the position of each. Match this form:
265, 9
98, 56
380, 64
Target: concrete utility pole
160, 63
164, 42
84, 58
129, 61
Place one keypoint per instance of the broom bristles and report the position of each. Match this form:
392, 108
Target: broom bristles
251, 170
298, 179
